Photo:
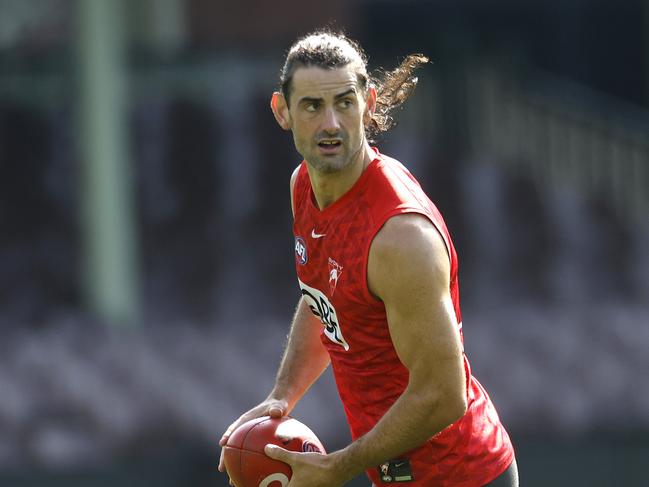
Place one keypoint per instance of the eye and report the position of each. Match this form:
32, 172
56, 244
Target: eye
311, 107
346, 103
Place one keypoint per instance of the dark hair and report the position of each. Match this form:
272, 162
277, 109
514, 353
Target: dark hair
331, 50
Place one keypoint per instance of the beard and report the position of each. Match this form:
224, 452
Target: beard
331, 164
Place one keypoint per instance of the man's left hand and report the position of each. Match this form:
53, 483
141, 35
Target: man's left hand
309, 469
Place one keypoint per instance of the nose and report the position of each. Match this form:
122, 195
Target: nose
330, 124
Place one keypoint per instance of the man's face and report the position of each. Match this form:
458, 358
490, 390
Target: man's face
326, 116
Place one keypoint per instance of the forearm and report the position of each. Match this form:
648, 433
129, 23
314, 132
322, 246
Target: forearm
304, 360
413, 419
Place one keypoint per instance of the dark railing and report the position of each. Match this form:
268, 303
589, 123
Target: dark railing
563, 135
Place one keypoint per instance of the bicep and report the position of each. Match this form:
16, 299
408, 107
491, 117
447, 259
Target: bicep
409, 271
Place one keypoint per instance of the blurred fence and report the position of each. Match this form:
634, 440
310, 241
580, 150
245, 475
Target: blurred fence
563, 134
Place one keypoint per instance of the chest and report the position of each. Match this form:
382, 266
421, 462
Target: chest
331, 255
331, 265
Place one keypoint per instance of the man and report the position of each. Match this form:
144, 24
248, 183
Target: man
380, 299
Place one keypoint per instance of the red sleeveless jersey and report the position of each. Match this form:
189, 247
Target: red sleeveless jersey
331, 250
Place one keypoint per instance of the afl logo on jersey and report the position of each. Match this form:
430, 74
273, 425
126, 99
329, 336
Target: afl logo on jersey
300, 251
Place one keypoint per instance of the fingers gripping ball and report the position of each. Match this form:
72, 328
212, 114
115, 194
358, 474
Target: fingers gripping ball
245, 460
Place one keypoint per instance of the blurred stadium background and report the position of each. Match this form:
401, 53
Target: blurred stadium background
146, 277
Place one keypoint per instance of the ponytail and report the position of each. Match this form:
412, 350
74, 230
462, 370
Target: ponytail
392, 89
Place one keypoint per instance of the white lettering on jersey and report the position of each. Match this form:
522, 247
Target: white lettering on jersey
323, 309
274, 477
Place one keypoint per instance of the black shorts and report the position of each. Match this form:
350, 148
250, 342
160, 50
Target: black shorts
509, 478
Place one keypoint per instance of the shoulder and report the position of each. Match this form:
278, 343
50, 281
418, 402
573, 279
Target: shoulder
407, 248
410, 233
393, 186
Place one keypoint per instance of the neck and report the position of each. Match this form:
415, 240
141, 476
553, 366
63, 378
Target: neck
329, 187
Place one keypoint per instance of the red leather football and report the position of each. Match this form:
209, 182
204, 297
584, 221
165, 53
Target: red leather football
245, 460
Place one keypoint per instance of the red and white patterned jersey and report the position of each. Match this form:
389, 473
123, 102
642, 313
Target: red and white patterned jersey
331, 251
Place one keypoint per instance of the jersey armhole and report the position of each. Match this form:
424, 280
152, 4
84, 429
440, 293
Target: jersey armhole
292, 184
377, 228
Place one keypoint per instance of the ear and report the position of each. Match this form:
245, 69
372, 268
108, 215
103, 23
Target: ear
280, 109
370, 104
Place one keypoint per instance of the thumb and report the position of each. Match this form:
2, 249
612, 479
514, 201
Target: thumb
276, 411
278, 453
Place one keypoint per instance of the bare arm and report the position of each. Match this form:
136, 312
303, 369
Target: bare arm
408, 269
304, 360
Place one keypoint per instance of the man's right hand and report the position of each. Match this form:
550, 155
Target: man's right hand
270, 407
